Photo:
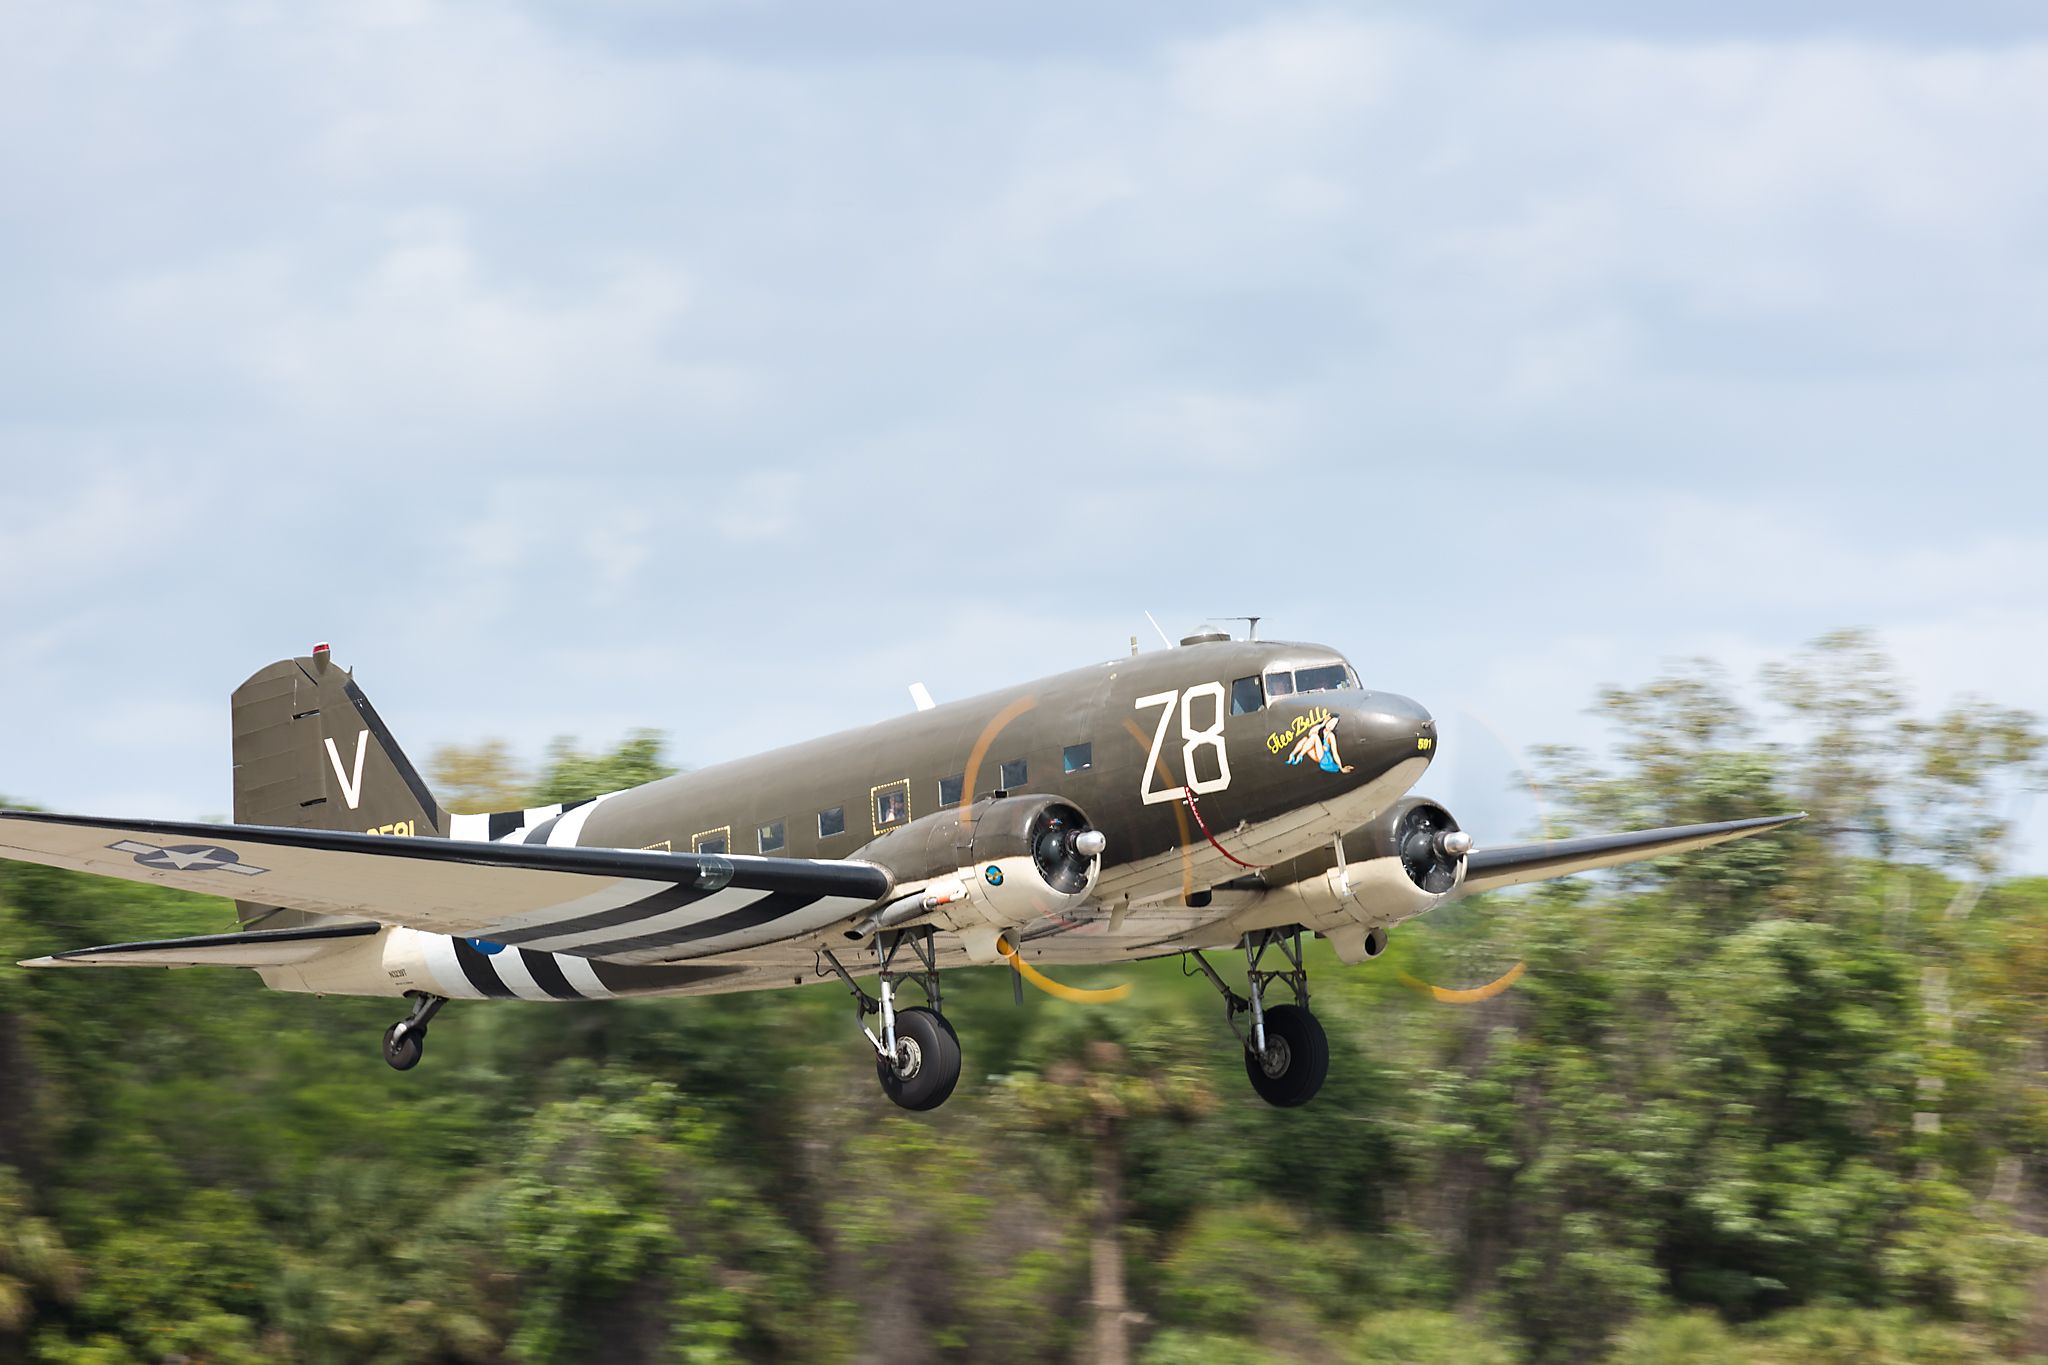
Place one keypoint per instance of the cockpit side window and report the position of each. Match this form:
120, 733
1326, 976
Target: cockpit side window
1279, 683
1246, 696
1323, 678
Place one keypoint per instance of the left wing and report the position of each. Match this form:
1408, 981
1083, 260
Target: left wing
1489, 868
616, 904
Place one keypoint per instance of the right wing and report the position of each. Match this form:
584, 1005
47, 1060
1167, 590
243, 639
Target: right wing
617, 904
1489, 868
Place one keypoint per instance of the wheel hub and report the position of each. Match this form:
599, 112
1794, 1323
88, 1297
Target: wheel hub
909, 1058
1277, 1057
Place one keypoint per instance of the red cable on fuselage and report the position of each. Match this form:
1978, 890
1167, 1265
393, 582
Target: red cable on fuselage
1188, 794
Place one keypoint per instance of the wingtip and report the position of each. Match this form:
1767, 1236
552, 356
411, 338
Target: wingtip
39, 962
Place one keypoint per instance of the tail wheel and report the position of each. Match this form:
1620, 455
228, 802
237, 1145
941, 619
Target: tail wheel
1297, 1057
404, 1046
926, 1066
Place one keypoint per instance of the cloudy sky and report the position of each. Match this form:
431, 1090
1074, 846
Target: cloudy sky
724, 367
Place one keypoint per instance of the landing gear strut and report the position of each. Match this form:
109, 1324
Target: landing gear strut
405, 1042
1286, 1052
917, 1056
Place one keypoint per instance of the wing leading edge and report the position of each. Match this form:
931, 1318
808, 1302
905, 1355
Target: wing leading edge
616, 904
1491, 868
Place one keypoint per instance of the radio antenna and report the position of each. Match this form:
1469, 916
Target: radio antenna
1162, 634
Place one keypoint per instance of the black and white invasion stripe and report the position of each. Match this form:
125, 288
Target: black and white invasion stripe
558, 826
635, 920
466, 971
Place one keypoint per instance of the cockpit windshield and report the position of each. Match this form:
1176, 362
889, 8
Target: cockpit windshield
1320, 677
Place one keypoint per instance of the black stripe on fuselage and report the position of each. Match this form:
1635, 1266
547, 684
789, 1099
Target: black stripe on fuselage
662, 901
547, 974
482, 975
629, 978
503, 822
766, 910
542, 830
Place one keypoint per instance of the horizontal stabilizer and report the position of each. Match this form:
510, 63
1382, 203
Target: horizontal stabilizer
1490, 868
255, 948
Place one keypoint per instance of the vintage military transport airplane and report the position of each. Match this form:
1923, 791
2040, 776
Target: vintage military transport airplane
1223, 795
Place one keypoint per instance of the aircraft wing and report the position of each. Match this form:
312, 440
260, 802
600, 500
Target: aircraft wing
616, 904
1489, 868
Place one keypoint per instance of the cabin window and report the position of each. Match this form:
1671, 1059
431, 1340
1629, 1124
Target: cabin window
713, 840
892, 805
950, 788
1246, 696
831, 822
1015, 774
771, 837
1323, 678
1280, 683
1077, 758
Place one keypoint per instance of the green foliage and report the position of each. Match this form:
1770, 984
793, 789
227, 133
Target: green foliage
1783, 1101
620, 1208
35, 1265
1177, 1346
1417, 1336
1237, 1267
486, 776
572, 775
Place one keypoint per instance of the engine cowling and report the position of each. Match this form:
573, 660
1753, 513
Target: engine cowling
1000, 863
1419, 834
1407, 861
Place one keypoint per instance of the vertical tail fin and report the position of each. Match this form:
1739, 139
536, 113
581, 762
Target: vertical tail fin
312, 753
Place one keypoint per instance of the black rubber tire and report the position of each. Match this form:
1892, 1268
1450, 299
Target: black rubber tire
934, 1050
1297, 1060
403, 1047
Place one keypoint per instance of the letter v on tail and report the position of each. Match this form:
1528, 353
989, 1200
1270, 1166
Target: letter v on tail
351, 787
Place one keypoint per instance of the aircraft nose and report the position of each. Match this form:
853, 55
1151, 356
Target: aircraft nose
1399, 726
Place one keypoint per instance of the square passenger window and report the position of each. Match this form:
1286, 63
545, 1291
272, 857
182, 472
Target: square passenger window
831, 822
1246, 696
1015, 774
770, 837
713, 840
1279, 684
949, 789
892, 805
1077, 758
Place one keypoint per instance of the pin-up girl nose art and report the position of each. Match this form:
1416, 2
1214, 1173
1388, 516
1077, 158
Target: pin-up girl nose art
1319, 746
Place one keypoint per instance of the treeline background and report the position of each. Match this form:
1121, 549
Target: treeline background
1781, 1102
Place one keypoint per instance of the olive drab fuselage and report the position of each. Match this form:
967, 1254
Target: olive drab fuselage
1189, 788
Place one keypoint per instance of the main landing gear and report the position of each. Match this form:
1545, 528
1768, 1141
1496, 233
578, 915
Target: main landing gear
1286, 1052
917, 1056
405, 1042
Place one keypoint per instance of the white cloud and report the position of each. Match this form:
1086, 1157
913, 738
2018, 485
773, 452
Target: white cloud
426, 328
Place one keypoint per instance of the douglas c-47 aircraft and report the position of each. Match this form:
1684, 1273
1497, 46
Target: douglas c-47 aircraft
1226, 795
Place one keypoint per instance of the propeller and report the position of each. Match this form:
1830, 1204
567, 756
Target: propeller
1062, 845
1431, 845
1485, 778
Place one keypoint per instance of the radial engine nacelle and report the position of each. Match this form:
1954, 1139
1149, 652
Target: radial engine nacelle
995, 865
1406, 862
